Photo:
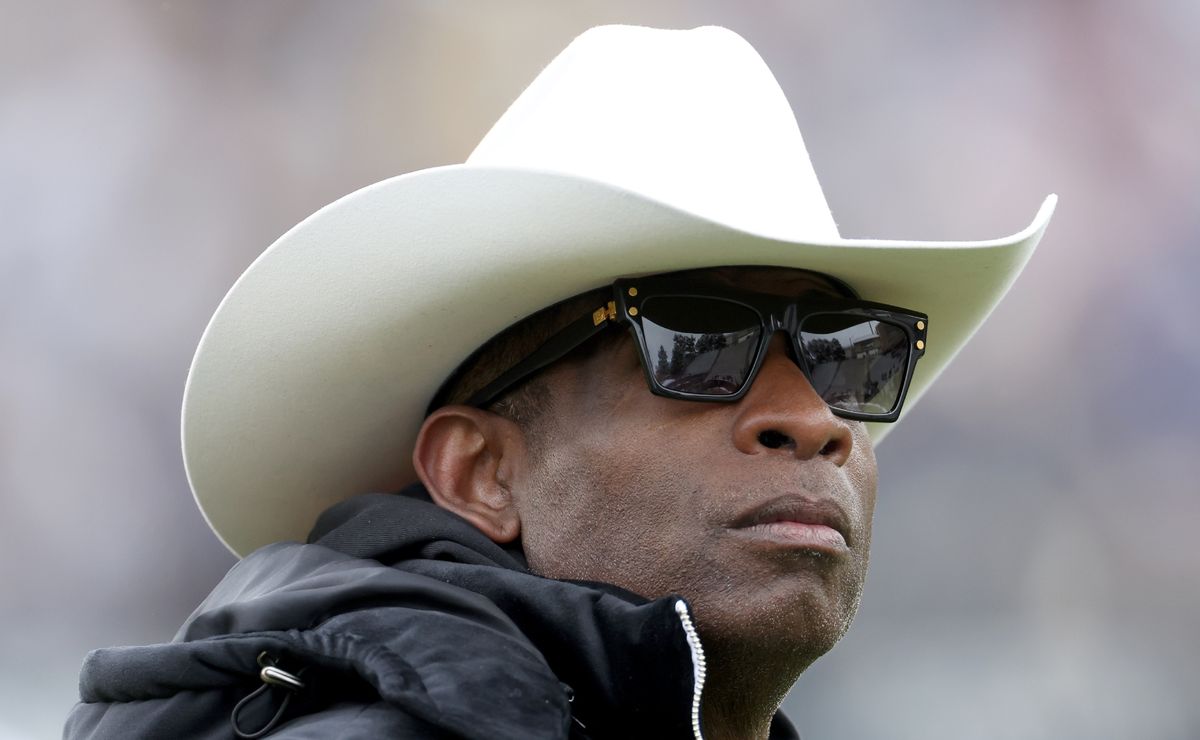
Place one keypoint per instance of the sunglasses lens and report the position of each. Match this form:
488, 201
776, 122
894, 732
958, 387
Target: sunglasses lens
855, 364
696, 345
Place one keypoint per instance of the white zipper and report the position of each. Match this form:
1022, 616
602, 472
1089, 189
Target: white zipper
698, 666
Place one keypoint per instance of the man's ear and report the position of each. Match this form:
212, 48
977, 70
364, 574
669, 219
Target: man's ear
468, 458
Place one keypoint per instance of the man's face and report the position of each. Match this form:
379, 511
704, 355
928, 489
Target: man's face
661, 496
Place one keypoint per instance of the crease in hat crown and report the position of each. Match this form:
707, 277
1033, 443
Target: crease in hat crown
658, 112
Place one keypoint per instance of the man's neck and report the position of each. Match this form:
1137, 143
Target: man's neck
744, 690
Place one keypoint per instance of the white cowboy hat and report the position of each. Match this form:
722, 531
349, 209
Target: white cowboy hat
635, 151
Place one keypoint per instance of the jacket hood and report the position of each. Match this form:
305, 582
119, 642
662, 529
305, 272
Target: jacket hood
396, 598
402, 600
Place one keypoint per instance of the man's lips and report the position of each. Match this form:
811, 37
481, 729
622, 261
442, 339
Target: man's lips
798, 521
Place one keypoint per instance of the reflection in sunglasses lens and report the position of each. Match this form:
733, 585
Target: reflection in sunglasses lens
700, 345
855, 364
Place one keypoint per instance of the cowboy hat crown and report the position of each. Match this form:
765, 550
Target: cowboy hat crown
692, 118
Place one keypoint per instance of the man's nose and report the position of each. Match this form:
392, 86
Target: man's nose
782, 414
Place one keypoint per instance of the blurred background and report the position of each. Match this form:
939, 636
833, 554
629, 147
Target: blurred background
1036, 572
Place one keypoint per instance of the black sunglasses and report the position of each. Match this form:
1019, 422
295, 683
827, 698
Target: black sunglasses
704, 342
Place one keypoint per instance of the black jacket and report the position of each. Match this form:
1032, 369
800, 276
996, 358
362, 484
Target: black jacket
401, 619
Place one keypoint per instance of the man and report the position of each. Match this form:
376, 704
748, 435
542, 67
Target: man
628, 377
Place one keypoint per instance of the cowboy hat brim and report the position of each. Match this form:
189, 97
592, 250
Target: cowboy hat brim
312, 378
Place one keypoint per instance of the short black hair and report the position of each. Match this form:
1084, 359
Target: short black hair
529, 400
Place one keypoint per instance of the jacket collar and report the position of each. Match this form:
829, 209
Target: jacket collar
625, 659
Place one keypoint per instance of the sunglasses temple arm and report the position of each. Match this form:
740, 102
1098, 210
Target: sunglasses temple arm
551, 351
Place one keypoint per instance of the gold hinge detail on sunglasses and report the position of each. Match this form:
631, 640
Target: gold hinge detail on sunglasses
604, 313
